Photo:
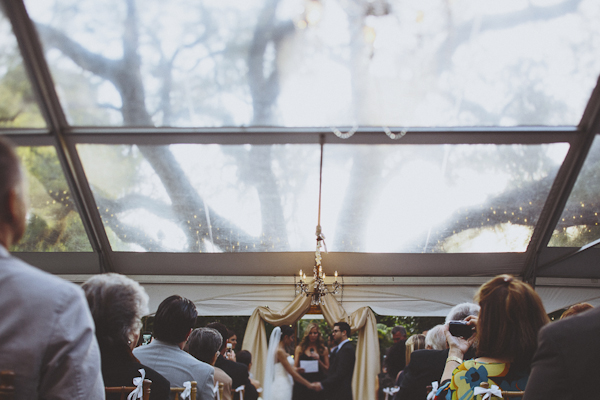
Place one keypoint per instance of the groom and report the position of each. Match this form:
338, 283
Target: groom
338, 384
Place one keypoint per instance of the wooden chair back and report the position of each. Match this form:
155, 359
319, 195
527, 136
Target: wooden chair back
221, 390
506, 394
125, 390
178, 390
7, 385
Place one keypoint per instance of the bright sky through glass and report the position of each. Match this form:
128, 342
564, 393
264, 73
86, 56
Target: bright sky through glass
413, 199
329, 63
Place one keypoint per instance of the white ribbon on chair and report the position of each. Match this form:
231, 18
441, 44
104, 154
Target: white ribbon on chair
138, 392
240, 390
216, 391
187, 392
494, 390
390, 391
434, 388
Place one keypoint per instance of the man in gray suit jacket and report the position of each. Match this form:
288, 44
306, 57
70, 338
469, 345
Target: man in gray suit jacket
46, 330
173, 323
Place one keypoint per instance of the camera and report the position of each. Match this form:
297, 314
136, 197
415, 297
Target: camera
461, 329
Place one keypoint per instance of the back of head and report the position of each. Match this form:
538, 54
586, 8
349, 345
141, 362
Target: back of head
117, 304
204, 343
415, 342
222, 329
11, 179
174, 318
461, 311
244, 357
511, 316
435, 338
286, 330
576, 309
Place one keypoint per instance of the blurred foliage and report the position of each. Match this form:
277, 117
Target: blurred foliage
53, 223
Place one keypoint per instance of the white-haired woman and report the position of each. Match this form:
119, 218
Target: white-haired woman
117, 304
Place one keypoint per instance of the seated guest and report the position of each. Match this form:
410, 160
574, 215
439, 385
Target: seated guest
46, 330
426, 366
576, 309
117, 304
237, 371
565, 365
245, 357
173, 323
436, 338
415, 342
204, 344
511, 316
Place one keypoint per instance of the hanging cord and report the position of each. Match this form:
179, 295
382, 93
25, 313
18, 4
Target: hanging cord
320, 236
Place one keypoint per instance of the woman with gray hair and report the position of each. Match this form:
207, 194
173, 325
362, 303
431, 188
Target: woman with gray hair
204, 344
117, 304
436, 338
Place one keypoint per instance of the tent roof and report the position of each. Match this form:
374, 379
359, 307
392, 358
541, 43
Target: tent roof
458, 144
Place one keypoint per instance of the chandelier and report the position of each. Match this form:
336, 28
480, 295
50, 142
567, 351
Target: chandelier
319, 287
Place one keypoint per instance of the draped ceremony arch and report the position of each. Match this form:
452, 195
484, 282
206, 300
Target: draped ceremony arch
362, 320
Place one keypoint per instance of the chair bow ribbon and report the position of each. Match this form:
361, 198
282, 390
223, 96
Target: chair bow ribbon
240, 390
488, 393
434, 388
138, 392
390, 391
187, 392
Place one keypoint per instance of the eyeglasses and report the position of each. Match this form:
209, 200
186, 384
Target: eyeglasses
335, 331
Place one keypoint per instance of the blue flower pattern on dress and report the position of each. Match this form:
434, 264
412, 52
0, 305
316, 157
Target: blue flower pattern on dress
474, 377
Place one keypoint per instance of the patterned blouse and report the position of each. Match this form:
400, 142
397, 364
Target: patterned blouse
469, 375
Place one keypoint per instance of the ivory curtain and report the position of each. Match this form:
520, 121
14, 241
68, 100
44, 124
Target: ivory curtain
362, 320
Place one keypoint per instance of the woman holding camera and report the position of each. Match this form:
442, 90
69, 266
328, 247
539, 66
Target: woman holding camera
506, 335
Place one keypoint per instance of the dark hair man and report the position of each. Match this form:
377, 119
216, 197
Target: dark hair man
237, 371
338, 384
173, 323
46, 331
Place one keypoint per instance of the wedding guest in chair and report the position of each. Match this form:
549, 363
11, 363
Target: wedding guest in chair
117, 304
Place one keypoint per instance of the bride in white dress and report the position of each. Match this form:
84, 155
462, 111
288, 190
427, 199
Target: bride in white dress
280, 372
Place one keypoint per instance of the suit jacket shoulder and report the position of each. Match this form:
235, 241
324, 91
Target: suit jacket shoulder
46, 334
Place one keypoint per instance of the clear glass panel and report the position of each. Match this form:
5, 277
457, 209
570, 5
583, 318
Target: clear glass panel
18, 106
321, 63
578, 224
53, 222
382, 198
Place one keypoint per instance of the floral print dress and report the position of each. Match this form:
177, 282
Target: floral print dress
469, 375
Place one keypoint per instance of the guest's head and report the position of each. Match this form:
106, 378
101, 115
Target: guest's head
117, 304
576, 309
222, 329
232, 338
312, 338
13, 202
511, 316
461, 311
204, 344
174, 319
341, 331
415, 342
435, 338
398, 333
244, 357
